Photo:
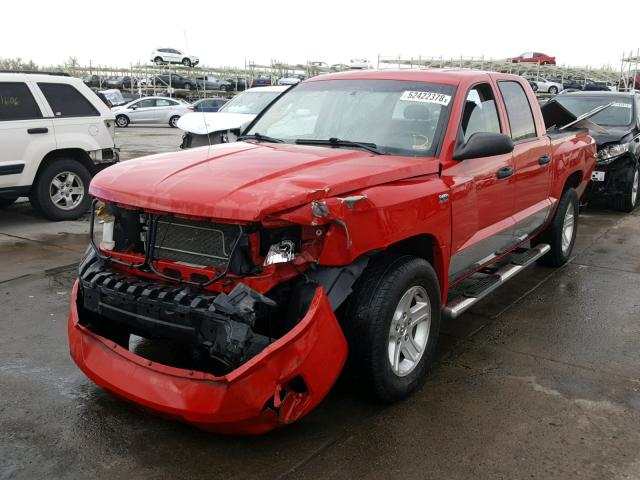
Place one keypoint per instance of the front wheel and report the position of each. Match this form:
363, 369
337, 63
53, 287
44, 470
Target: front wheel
173, 121
187, 86
186, 62
122, 121
561, 233
392, 321
61, 190
628, 201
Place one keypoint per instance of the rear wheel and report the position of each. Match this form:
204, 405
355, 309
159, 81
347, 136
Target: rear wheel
173, 121
628, 201
122, 121
561, 233
553, 90
158, 60
60, 192
187, 86
392, 322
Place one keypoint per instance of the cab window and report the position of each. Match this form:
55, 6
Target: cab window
480, 113
518, 111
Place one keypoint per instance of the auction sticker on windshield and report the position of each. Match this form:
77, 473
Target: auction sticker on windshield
426, 97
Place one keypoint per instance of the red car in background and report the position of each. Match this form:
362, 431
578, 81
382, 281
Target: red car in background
535, 57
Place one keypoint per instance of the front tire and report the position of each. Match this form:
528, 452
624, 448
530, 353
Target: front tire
173, 121
61, 190
187, 86
391, 322
561, 233
186, 62
122, 121
628, 201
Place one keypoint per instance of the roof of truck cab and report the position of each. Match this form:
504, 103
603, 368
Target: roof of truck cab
449, 76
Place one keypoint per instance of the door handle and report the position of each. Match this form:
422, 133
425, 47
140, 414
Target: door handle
544, 159
38, 130
504, 172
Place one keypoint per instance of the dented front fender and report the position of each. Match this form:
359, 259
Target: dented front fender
278, 386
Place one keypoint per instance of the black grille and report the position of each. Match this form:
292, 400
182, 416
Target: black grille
193, 242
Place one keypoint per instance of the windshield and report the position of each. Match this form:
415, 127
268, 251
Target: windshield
619, 114
399, 117
249, 102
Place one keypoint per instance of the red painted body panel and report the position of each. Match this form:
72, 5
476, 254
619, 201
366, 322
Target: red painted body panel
244, 181
234, 403
449, 206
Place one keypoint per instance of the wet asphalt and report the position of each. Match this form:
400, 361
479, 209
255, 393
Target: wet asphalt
540, 380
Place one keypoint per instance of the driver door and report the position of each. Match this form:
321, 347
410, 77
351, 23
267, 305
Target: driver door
483, 190
142, 111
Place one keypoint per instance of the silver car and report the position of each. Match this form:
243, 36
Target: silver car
162, 110
545, 85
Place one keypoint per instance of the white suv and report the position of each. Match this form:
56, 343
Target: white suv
171, 55
55, 134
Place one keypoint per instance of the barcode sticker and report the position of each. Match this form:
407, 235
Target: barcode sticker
426, 97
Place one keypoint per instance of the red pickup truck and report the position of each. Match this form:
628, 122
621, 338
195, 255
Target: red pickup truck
356, 213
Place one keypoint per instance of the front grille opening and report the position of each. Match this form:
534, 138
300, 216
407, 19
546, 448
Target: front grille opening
189, 244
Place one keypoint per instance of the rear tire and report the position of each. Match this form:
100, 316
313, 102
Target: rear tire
629, 200
561, 233
382, 324
158, 61
173, 121
553, 90
122, 121
61, 191
187, 86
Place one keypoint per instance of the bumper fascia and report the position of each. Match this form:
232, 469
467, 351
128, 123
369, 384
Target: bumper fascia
252, 399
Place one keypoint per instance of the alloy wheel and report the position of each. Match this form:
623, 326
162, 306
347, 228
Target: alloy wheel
409, 331
66, 190
568, 226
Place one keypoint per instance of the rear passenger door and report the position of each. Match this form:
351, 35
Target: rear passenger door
73, 115
26, 134
163, 110
482, 191
532, 161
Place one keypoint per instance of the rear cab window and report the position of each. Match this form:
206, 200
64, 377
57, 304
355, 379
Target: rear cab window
519, 112
66, 101
17, 102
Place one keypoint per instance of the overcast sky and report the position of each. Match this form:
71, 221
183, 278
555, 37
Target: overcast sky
226, 33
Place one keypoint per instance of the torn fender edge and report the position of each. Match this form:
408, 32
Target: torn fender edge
258, 396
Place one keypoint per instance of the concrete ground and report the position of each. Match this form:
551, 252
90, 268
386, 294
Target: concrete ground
540, 380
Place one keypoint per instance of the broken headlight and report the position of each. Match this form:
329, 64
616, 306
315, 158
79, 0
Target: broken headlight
609, 153
281, 252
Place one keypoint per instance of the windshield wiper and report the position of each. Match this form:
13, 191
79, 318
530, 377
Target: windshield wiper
336, 142
259, 137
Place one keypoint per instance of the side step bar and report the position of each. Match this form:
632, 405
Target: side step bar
472, 294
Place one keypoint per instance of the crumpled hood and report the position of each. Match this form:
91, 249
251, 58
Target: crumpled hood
614, 134
246, 181
202, 123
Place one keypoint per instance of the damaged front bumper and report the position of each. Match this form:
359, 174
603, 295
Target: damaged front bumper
276, 387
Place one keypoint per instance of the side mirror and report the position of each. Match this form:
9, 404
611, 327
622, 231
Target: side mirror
133, 107
484, 144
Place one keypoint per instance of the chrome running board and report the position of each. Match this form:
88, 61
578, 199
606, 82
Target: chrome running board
471, 291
